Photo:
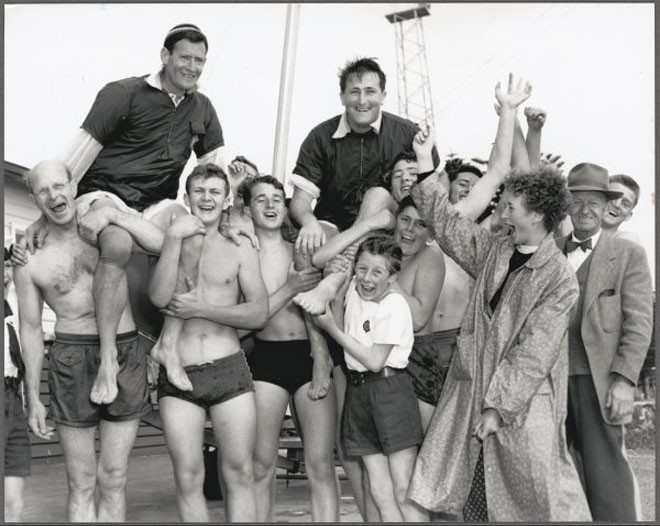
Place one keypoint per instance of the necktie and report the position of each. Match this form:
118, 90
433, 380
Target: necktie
573, 245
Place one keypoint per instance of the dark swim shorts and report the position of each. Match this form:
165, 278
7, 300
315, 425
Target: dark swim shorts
287, 364
213, 383
74, 363
428, 363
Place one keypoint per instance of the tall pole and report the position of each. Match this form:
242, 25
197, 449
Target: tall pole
286, 91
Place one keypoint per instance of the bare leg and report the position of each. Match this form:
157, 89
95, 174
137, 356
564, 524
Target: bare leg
235, 427
110, 291
183, 425
426, 410
353, 467
14, 498
271, 406
80, 462
401, 466
318, 422
382, 487
165, 351
374, 215
117, 440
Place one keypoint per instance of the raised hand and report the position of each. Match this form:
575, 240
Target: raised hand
516, 92
423, 142
310, 238
535, 117
303, 280
185, 226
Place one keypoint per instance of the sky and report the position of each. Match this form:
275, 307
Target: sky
591, 67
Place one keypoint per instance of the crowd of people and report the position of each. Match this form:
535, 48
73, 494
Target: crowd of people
462, 365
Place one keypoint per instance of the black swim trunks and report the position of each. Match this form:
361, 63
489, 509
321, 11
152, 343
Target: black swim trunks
287, 364
428, 363
74, 364
213, 383
15, 438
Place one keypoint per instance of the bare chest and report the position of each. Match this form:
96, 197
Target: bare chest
62, 269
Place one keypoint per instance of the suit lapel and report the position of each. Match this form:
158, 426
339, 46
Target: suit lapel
599, 270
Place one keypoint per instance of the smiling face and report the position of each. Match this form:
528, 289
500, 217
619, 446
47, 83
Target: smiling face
460, 187
183, 66
207, 198
410, 231
587, 211
362, 99
404, 175
52, 192
267, 206
527, 226
372, 276
620, 209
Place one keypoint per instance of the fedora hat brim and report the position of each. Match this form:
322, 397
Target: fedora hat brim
610, 194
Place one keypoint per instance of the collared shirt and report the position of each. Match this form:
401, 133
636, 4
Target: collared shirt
579, 256
155, 80
343, 129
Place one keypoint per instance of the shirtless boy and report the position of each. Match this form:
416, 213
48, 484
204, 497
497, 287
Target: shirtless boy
61, 274
282, 362
210, 350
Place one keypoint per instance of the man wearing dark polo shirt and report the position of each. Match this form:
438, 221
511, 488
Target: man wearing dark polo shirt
343, 157
129, 155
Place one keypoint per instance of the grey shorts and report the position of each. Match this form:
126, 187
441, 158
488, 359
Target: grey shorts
74, 364
16, 441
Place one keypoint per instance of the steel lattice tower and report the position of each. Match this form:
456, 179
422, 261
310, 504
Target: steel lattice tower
415, 102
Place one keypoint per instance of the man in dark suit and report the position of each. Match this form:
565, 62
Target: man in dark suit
609, 336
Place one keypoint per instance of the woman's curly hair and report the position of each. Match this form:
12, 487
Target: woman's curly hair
545, 192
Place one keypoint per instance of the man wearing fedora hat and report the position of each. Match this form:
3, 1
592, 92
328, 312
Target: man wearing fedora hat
609, 336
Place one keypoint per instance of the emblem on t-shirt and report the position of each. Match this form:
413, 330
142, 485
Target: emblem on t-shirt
366, 326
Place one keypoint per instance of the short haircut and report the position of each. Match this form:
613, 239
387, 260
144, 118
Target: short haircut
405, 155
359, 67
405, 203
206, 171
188, 32
545, 192
28, 173
245, 188
383, 245
464, 167
247, 161
628, 182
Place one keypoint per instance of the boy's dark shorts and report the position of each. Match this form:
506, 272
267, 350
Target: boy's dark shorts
428, 363
381, 415
74, 363
213, 383
16, 441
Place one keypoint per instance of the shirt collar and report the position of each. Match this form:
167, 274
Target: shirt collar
343, 129
154, 80
594, 238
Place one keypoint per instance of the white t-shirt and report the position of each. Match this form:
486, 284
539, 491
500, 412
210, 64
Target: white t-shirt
387, 321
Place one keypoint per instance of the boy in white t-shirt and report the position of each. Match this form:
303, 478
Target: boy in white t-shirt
381, 421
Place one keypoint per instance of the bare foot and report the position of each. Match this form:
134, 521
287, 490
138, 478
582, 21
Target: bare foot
169, 358
316, 300
104, 388
321, 381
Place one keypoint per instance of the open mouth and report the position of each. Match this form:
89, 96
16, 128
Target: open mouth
270, 215
405, 189
367, 289
58, 208
206, 208
405, 238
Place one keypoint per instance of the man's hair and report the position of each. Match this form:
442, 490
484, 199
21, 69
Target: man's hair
359, 67
545, 192
628, 182
245, 188
247, 161
405, 203
28, 173
188, 32
405, 155
463, 167
206, 171
383, 245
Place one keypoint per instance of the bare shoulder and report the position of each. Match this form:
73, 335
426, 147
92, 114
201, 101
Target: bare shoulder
432, 255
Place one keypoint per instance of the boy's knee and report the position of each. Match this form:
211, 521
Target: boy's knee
320, 468
115, 245
82, 483
112, 478
238, 473
190, 480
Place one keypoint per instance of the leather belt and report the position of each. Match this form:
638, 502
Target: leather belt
357, 378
